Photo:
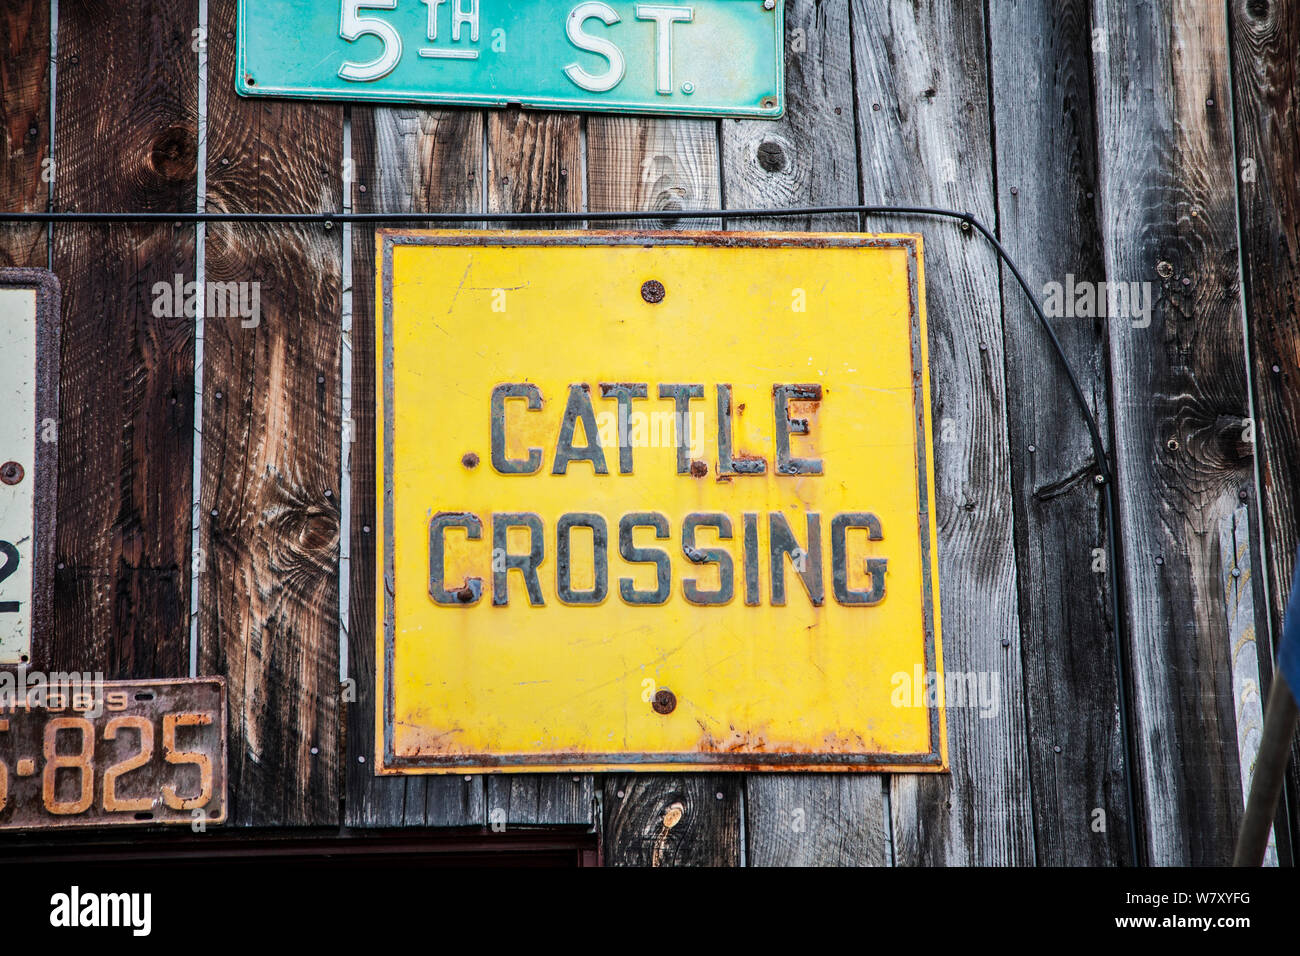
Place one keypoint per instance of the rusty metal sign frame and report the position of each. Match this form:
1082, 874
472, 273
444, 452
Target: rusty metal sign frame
388, 762
49, 314
164, 697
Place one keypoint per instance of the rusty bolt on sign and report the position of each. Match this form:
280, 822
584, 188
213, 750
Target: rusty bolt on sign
11, 473
665, 702
653, 291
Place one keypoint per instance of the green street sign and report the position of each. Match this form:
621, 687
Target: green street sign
703, 58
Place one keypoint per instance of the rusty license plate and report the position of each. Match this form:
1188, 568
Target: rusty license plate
107, 753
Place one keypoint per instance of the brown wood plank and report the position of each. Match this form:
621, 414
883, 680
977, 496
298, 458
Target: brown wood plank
644, 163
268, 618
924, 134
126, 138
406, 160
1265, 70
534, 164
655, 819
24, 127
808, 157
1047, 180
648, 164
1169, 217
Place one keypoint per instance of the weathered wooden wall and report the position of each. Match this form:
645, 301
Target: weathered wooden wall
1108, 140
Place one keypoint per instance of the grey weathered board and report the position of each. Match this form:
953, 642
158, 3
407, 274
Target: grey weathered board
1180, 409
1266, 71
1046, 178
924, 139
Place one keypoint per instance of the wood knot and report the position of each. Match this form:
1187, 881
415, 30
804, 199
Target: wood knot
673, 815
1235, 437
309, 536
318, 530
771, 156
174, 153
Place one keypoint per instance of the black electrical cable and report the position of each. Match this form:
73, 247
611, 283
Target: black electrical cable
1105, 473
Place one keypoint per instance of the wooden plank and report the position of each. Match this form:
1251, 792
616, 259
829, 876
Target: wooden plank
1265, 38
1169, 217
268, 617
816, 820
534, 164
924, 138
1047, 179
529, 799
1237, 569
126, 437
808, 157
24, 127
643, 163
405, 160
656, 819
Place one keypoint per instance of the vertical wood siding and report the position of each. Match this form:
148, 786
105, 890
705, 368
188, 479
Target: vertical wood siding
24, 127
1108, 140
924, 138
126, 435
1266, 68
272, 438
1045, 148
1180, 408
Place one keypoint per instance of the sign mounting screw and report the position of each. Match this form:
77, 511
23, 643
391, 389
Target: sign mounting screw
769, 4
653, 291
664, 702
11, 473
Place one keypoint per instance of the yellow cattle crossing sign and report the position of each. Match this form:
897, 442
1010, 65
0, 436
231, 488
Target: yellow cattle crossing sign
655, 500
